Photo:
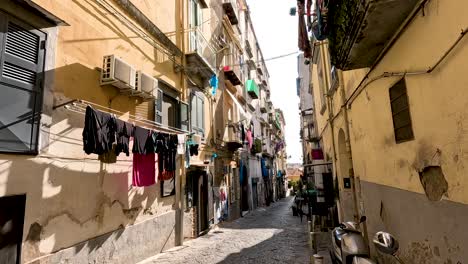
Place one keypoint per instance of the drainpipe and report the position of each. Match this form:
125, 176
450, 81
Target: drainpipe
349, 151
179, 227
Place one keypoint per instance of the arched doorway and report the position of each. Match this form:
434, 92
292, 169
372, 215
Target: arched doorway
344, 165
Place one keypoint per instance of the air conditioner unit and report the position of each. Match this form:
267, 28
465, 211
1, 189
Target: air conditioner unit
117, 73
146, 85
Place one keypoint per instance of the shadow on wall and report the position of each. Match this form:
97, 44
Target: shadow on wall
72, 197
160, 60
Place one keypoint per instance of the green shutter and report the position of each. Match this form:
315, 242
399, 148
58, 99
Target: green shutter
21, 75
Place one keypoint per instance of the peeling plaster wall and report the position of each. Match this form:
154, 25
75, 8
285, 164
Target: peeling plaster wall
423, 208
72, 197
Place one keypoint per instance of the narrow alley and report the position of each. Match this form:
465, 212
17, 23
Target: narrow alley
267, 235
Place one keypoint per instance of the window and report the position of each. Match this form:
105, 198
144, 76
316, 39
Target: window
400, 112
169, 110
197, 110
21, 73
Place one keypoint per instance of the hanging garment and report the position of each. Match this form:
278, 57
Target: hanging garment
242, 133
181, 144
166, 147
249, 138
124, 132
98, 132
142, 143
264, 168
303, 41
194, 150
144, 172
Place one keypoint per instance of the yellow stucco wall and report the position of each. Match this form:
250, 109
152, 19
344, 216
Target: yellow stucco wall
71, 195
437, 105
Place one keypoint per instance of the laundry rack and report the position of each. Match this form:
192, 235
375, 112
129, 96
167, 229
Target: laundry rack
79, 106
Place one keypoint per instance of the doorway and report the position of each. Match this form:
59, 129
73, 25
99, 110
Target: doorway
245, 189
11, 226
200, 179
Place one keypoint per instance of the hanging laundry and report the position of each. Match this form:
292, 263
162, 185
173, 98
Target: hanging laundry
124, 132
249, 138
98, 132
194, 150
242, 133
142, 142
166, 148
144, 171
181, 144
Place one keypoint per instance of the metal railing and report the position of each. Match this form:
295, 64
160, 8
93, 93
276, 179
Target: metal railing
199, 44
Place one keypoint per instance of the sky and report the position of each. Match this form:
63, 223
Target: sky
276, 33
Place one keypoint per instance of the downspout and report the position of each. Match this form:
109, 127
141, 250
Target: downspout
350, 154
179, 230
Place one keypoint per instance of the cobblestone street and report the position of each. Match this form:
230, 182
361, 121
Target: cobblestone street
267, 235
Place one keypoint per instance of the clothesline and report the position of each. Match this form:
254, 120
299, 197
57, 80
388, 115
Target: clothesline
79, 106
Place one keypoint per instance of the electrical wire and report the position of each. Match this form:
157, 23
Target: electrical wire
242, 64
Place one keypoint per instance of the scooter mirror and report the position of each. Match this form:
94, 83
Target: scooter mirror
363, 219
385, 243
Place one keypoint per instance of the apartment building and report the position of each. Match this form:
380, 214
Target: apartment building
169, 67
389, 88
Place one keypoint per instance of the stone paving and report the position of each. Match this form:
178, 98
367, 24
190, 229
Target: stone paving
266, 235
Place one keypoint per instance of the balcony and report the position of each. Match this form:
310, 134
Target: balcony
232, 138
359, 30
231, 10
200, 57
252, 89
233, 74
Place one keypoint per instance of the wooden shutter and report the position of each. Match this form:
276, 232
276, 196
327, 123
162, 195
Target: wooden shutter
158, 107
183, 116
21, 75
400, 112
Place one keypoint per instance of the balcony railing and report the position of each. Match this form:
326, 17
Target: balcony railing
358, 30
232, 70
201, 55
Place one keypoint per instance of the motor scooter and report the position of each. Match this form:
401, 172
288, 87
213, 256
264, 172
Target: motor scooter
349, 247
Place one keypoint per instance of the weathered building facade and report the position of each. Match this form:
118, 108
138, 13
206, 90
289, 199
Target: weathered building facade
67, 206
391, 121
